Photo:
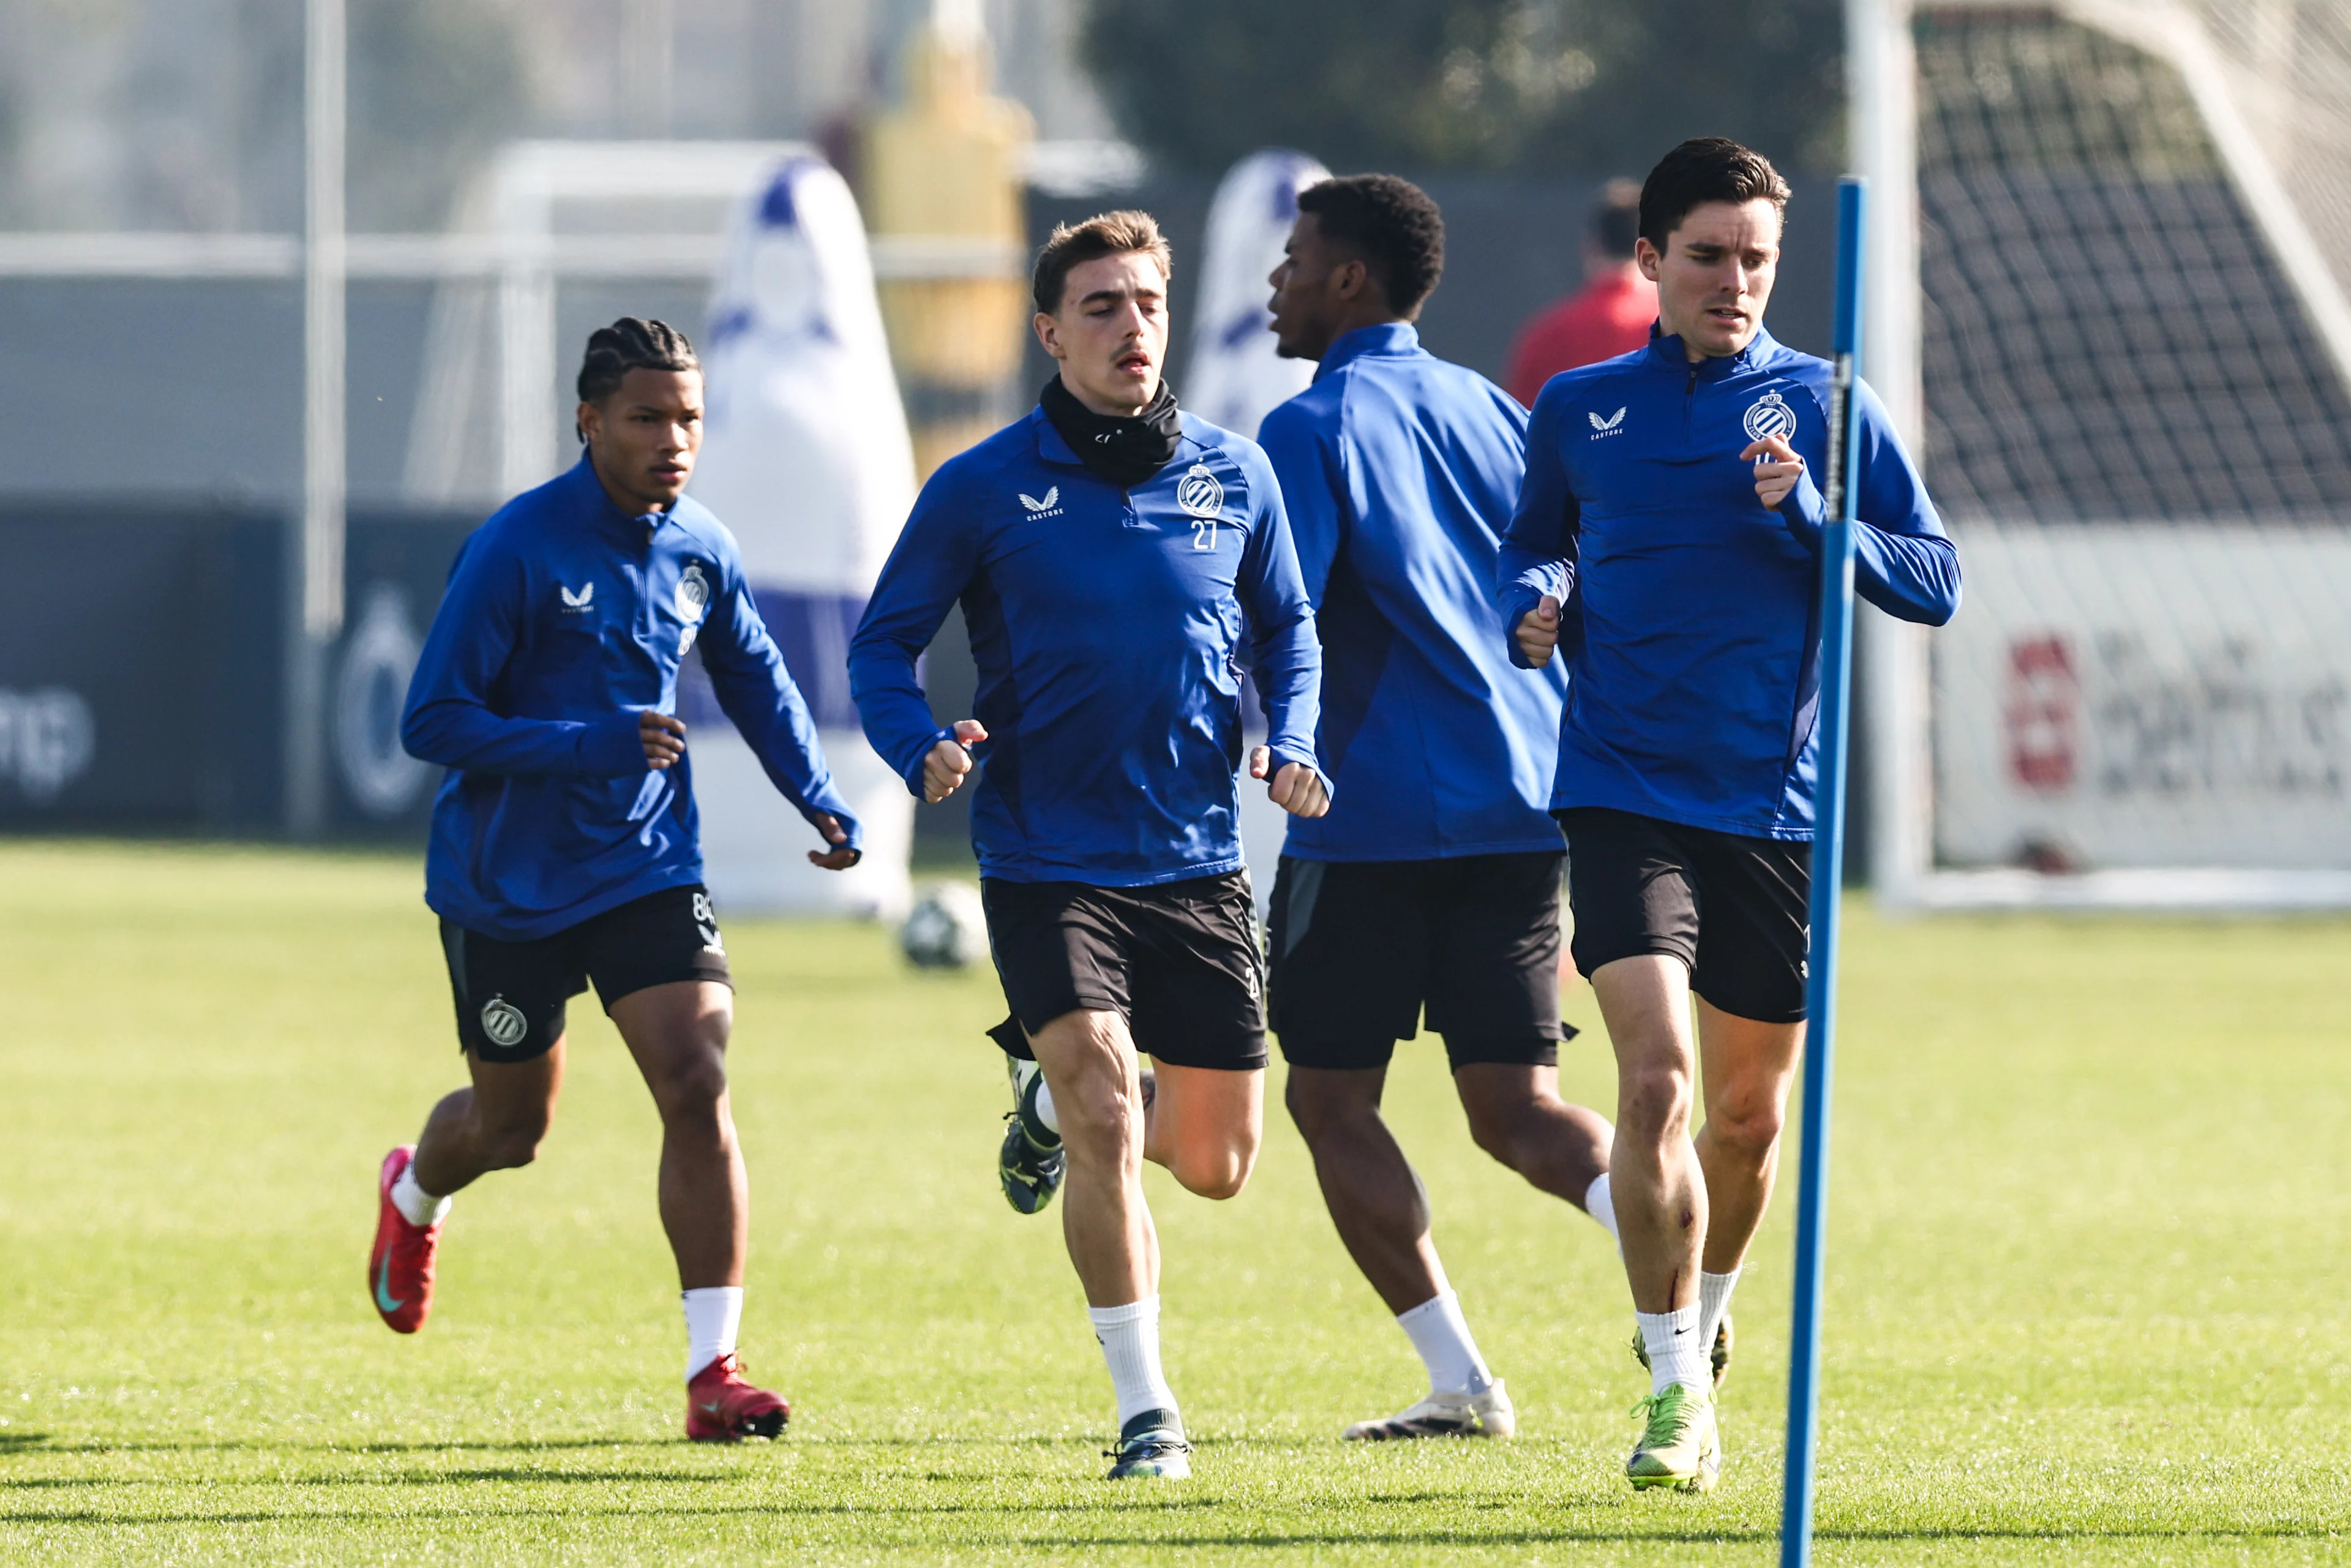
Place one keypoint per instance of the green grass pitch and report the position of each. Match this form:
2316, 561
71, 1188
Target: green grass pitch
2087, 1263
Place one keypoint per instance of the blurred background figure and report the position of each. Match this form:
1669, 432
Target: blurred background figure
942, 178
1609, 316
804, 449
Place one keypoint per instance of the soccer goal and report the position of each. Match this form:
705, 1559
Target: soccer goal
2113, 316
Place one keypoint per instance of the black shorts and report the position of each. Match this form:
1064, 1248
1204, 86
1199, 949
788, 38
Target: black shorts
1178, 960
1360, 948
1641, 886
510, 994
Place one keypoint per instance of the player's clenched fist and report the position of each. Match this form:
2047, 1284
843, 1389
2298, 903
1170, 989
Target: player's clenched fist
1538, 632
1297, 788
944, 767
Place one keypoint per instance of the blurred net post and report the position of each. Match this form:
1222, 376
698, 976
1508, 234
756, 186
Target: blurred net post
318, 597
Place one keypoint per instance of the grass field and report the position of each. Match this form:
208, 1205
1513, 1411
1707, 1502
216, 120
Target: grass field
2088, 1271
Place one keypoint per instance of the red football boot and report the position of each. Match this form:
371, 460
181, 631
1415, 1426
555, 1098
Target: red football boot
720, 1407
400, 1266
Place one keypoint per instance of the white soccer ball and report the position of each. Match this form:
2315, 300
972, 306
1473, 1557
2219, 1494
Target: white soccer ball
947, 928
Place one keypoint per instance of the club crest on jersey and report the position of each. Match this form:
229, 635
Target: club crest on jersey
1200, 493
1613, 425
576, 603
1768, 416
693, 596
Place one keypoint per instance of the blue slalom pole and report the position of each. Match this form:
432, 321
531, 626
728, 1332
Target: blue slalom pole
1828, 875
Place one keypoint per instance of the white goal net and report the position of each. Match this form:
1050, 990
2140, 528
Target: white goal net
2121, 339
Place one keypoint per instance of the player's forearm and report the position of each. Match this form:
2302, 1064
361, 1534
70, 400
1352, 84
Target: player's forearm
454, 731
768, 711
1289, 675
893, 710
1912, 577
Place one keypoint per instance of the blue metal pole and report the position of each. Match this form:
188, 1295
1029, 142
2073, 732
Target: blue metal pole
1828, 874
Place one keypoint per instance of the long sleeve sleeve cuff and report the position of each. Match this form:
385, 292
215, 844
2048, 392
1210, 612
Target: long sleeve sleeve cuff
610, 747
1805, 513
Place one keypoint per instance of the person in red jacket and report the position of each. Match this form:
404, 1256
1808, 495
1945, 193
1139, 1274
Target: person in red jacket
1608, 317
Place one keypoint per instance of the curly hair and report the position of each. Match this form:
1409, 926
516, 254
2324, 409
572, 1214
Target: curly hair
629, 344
1390, 225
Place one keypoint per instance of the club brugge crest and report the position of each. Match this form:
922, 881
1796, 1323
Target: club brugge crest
692, 593
1200, 493
1768, 416
503, 1023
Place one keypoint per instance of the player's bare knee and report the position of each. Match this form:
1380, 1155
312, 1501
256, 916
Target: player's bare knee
1317, 1112
1218, 1173
1654, 1102
694, 1092
1494, 1131
1749, 1127
512, 1142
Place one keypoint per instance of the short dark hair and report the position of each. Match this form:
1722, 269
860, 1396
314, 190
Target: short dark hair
1706, 168
629, 344
1391, 224
1616, 219
1122, 233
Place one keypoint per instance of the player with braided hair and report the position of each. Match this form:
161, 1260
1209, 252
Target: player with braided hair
564, 849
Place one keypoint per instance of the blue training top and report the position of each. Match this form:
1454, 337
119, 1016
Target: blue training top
1399, 472
1691, 639
1107, 624
566, 619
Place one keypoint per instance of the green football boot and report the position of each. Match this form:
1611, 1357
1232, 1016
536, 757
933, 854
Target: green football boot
1151, 1444
1719, 1359
1679, 1448
1030, 1163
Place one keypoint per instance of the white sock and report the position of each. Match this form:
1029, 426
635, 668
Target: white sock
1130, 1341
1045, 1111
416, 1206
1600, 1206
1441, 1334
714, 1315
1676, 1353
1713, 1301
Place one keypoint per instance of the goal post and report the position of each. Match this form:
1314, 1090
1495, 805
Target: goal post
2104, 310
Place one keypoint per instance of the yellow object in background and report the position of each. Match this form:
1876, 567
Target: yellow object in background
943, 197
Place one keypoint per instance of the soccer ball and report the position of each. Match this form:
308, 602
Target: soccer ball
947, 928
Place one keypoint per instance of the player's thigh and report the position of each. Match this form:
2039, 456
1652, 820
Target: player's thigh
1348, 961
1212, 1112
676, 1032
1493, 987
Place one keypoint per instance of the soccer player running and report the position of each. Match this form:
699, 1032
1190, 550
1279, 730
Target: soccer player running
1667, 548
1115, 559
563, 847
1434, 881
